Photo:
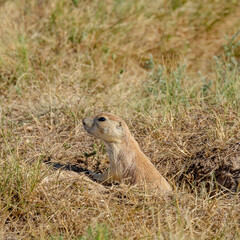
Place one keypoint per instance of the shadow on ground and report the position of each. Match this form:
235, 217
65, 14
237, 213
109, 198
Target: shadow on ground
73, 168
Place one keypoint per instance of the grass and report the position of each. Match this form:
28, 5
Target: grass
169, 68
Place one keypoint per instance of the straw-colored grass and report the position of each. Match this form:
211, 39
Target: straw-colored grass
170, 69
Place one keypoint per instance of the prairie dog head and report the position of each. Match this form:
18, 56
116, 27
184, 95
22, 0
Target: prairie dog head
106, 126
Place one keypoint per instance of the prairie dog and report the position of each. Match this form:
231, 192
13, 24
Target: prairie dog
127, 162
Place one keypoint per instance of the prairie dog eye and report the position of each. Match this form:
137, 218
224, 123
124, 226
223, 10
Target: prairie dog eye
102, 119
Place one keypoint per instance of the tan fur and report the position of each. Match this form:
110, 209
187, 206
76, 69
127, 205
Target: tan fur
127, 162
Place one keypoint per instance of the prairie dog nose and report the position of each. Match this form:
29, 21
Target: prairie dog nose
83, 121
87, 122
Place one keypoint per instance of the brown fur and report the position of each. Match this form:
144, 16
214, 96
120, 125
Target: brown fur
127, 162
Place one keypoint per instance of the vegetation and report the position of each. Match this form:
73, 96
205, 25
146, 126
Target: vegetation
169, 68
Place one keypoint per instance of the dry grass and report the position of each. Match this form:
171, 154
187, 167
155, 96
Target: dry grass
169, 68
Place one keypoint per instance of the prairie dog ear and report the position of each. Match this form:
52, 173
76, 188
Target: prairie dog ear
119, 125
